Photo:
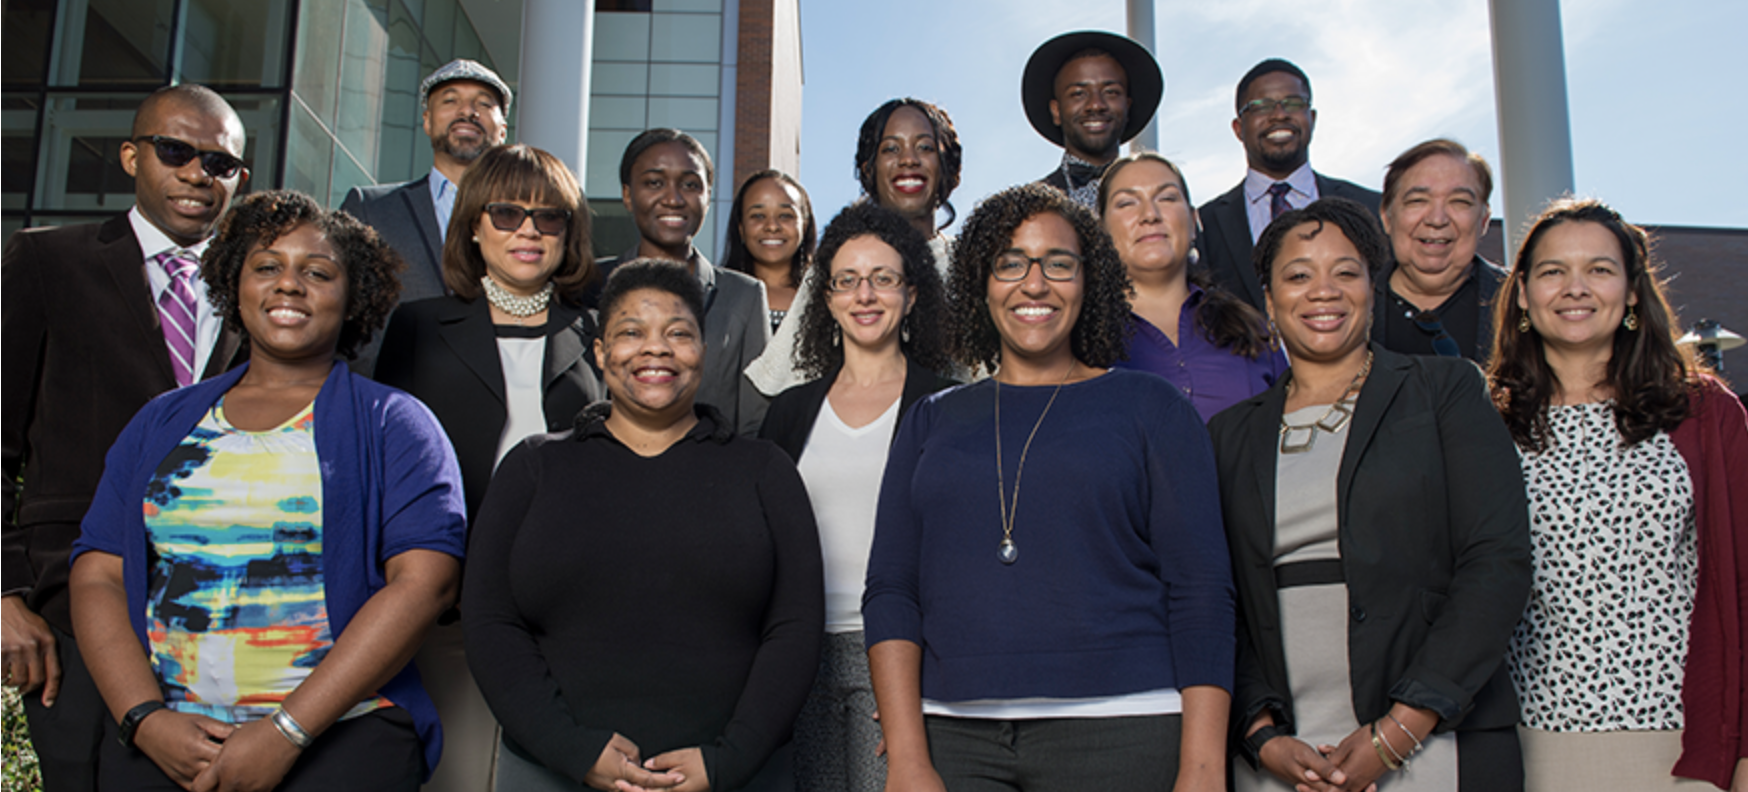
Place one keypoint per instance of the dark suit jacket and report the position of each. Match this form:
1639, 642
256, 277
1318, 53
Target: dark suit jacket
83, 353
1433, 527
445, 352
1225, 242
789, 422
405, 217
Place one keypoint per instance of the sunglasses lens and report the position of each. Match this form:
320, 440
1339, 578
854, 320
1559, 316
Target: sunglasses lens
550, 222
174, 153
506, 217
219, 165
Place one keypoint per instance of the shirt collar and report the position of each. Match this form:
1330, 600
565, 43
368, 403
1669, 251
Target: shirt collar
1257, 184
154, 241
440, 185
592, 423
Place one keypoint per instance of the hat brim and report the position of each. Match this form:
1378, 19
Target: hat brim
1038, 82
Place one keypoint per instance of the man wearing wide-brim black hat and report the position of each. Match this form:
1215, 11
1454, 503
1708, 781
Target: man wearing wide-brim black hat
1089, 92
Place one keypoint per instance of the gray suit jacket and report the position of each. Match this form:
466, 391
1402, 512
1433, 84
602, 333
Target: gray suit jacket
1225, 242
405, 217
737, 325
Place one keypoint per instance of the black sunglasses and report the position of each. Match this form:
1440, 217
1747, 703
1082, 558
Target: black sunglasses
1442, 342
175, 154
509, 217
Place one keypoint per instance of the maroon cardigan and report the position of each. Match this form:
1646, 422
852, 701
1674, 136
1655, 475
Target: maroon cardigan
1714, 442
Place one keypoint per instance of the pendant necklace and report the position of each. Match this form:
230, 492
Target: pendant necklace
1007, 552
1333, 420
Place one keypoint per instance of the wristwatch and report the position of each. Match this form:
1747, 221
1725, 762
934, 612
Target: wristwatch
1252, 745
130, 722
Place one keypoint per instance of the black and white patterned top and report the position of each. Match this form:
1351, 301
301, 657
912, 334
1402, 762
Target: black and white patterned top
1602, 643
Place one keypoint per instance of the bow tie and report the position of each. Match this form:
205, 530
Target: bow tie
1082, 173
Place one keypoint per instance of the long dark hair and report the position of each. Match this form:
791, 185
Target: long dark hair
1225, 320
946, 143
815, 354
1648, 374
1098, 336
740, 259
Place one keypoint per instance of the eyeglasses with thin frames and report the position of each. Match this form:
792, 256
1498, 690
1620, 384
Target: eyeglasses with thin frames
1012, 266
1291, 104
177, 153
508, 217
880, 279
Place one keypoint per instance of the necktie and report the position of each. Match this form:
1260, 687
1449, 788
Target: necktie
176, 312
1278, 199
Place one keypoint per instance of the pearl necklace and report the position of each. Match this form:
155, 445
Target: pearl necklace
519, 307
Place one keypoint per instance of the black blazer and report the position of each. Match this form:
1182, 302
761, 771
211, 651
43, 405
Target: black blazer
83, 352
790, 419
1488, 278
445, 352
1225, 242
1434, 536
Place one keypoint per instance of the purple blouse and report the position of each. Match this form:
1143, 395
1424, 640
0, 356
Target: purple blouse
1213, 378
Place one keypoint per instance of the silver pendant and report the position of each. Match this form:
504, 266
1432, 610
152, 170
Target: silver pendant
1008, 552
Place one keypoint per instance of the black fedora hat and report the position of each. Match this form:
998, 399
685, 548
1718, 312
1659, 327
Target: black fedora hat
1038, 83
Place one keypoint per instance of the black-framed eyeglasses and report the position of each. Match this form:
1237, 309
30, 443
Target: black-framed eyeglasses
177, 153
509, 217
1291, 104
880, 279
1010, 267
1442, 342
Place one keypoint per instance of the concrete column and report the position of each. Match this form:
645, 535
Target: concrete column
1529, 86
552, 102
1141, 29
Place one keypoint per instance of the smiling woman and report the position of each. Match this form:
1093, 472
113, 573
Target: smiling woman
292, 483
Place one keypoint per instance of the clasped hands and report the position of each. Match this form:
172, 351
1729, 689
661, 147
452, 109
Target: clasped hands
202, 754
1352, 766
621, 768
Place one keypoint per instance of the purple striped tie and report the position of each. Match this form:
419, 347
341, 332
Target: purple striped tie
1278, 199
176, 311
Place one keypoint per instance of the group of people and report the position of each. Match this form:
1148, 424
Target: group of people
322, 497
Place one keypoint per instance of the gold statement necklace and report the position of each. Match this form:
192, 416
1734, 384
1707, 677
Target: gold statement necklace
1333, 420
1007, 552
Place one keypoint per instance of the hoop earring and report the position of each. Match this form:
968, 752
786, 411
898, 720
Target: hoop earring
1523, 323
1631, 323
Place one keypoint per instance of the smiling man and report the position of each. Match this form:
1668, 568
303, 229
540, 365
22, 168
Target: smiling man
1089, 92
1274, 122
97, 320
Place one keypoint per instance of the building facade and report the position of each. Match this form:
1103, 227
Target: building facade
328, 89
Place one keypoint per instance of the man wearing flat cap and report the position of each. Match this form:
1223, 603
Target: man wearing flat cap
465, 105
1089, 92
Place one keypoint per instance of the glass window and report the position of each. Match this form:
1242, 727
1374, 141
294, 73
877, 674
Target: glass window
621, 37
362, 69
606, 146
347, 174
112, 42
439, 27
234, 43
79, 160
260, 114
467, 42
627, 79
309, 155
684, 79
611, 231
617, 112
687, 114
622, 5
685, 37
687, 5
27, 25
17, 149
10, 226
316, 77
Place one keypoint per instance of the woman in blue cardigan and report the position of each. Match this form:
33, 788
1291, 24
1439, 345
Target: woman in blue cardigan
267, 549
1076, 633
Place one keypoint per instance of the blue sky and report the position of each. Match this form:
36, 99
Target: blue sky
1656, 120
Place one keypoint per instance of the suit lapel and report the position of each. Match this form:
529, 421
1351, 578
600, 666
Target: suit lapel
467, 329
1389, 371
567, 344
424, 211
120, 256
1264, 444
1235, 233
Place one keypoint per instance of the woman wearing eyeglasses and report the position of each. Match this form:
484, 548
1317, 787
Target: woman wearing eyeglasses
505, 357
871, 340
1071, 627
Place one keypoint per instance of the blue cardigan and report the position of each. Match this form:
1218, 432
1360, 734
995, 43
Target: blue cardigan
1122, 585
389, 484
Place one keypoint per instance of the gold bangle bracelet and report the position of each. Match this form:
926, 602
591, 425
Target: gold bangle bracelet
1378, 745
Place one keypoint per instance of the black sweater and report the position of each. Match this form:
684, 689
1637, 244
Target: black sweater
674, 599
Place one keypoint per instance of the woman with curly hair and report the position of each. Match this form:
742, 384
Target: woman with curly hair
771, 236
267, 548
1076, 633
1212, 345
871, 339
1629, 658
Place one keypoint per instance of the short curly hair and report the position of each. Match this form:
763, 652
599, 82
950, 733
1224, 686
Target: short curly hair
652, 273
1099, 334
815, 354
946, 142
373, 283
1355, 222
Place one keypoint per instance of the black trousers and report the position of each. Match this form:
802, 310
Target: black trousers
67, 736
378, 751
1123, 754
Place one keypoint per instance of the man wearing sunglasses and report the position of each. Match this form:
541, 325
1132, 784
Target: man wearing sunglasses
1274, 122
98, 319
464, 107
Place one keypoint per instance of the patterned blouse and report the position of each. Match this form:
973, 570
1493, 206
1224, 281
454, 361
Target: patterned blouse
1602, 643
236, 612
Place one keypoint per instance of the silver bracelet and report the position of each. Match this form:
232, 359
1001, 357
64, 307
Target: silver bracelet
289, 727
1417, 745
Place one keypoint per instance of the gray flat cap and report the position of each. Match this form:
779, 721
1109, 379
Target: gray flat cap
464, 69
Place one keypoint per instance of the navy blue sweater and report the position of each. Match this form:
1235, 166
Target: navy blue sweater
1123, 582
